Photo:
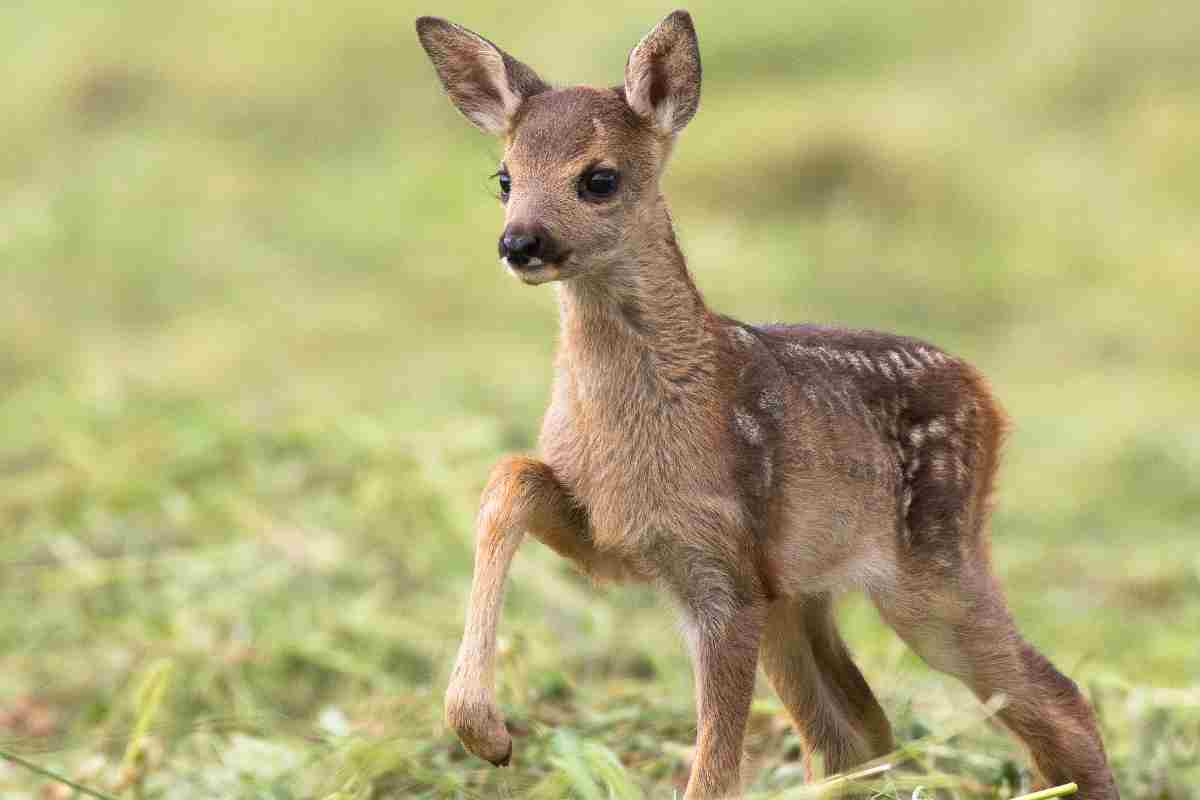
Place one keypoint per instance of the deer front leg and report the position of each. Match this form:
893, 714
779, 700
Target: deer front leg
725, 655
521, 495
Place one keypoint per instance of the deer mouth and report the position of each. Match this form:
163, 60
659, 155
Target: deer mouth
536, 270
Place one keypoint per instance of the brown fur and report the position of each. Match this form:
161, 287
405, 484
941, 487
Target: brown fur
751, 471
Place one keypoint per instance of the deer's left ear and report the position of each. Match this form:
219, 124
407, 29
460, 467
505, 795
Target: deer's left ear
486, 84
662, 77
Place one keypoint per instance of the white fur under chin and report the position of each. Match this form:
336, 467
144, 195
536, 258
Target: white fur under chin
543, 274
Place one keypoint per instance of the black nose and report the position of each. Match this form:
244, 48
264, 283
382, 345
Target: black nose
520, 248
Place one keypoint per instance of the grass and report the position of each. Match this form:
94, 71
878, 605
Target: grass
256, 362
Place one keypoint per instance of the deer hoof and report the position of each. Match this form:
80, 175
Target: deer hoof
480, 728
504, 762
492, 743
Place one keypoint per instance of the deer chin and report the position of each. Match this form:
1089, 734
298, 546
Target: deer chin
536, 271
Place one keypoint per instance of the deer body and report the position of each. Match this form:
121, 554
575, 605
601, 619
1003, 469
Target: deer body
751, 471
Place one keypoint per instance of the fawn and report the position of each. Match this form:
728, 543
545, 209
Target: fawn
750, 470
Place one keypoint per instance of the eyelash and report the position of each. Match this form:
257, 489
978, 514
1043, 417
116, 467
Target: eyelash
499, 195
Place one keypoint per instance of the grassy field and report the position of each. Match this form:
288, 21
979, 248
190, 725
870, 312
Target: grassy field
257, 358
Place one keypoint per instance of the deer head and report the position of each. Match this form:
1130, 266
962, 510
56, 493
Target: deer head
580, 172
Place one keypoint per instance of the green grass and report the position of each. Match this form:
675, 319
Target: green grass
256, 360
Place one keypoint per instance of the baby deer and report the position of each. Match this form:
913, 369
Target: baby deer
752, 471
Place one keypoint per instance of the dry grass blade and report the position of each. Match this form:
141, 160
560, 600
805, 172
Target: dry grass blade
45, 773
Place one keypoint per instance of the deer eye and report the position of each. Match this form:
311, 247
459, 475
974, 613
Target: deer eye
505, 183
598, 184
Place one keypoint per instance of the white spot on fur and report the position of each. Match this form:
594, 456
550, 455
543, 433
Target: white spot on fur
886, 370
963, 415
748, 427
938, 467
916, 436
932, 357
862, 362
771, 401
937, 428
826, 355
913, 465
834, 355
817, 351
743, 337
848, 400
868, 365
865, 413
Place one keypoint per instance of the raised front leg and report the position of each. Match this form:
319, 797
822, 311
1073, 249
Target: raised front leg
521, 495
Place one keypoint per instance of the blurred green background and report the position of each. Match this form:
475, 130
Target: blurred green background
257, 358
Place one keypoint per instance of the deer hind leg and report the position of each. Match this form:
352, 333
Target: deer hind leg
521, 495
947, 605
964, 628
811, 670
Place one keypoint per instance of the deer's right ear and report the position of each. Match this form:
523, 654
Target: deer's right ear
486, 84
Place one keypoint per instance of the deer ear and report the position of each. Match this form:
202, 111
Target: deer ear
662, 77
486, 84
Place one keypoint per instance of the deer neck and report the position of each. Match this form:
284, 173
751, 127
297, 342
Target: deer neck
638, 327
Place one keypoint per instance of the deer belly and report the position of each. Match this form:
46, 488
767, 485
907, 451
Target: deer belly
835, 528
